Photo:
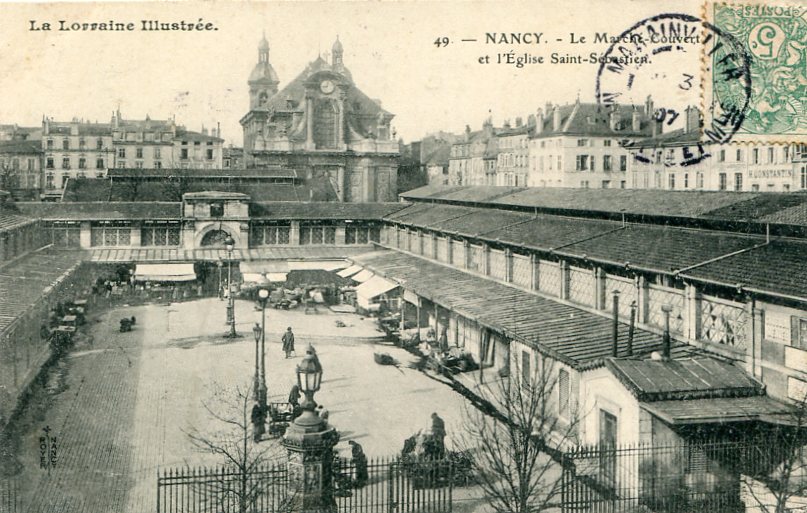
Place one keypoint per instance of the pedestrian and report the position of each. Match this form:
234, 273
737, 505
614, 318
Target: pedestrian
258, 422
359, 463
288, 342
439, 435
444, 341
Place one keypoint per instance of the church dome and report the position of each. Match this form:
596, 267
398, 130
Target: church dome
337, 46
263, 71
264, 44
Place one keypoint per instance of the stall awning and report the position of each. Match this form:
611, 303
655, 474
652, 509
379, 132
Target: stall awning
266, 266
253, 278
720, 410
276, 277
350, 271
363, 276
374, 287
164, 272
316, 265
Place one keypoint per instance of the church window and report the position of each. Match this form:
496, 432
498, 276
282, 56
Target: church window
325, 124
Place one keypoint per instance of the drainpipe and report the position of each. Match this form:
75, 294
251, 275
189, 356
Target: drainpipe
631, 327
665, 339
615, 349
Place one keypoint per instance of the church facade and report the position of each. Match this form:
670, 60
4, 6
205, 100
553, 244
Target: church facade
323, 127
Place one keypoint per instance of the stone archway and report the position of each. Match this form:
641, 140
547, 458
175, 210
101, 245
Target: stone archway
214, 238
204, 234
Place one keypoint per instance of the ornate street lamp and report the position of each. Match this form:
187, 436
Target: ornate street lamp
256, 383
229, 245
263, 296
309, 441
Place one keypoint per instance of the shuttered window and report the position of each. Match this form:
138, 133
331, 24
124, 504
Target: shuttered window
798, 332
526, 375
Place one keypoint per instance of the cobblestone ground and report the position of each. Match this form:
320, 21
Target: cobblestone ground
128, 399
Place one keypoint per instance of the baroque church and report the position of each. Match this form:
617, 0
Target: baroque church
322, 127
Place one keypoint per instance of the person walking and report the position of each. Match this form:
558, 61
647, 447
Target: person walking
288, 342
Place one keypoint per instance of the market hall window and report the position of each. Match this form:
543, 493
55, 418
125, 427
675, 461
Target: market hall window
217, 209
317, 234
66, 234
271, 234
111, 234
159, 235
362, 234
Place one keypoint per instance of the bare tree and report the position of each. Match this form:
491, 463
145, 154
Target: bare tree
511, 451
785, 452
246, 463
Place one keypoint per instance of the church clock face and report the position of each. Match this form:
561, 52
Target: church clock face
326, 86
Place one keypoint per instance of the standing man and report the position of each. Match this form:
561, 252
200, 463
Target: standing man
359, 463
439, 434
288, 342
294, 400
258, 422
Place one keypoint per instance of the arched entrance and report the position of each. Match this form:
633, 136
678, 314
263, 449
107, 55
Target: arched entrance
214, 238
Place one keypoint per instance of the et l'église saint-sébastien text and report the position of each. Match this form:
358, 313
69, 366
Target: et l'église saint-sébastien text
516, 56
193, 25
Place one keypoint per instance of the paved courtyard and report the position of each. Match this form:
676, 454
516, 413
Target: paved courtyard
121, 407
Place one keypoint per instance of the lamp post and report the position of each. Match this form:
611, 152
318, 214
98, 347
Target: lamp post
229, 245
256, 382
220, 264
309, 441
263, 295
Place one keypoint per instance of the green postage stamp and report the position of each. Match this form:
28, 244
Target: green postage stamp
775, 40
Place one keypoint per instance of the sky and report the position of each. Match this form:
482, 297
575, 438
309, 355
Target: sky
200, 77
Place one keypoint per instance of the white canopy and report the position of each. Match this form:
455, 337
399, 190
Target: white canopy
276, 277
373, 288
326, 265
164, 272
363, 276
265, 266
350, 271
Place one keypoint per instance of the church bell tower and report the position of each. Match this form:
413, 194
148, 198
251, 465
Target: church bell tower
263, 80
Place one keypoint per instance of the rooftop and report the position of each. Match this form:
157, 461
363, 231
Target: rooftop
683, 379
573, 336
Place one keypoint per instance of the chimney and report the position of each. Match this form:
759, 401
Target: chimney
631, 327
218, 129
648, 106
519, 121
636, 120
556, 119
615, 348
613, 119
666, 343
693, 119
467, 133
656, 127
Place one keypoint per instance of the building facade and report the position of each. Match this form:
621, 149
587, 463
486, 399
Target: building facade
74, 149
581, 145
512, 166
473, 157
679, 160
20, 168
323, 127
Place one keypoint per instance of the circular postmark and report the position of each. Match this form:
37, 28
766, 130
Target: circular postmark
662, 64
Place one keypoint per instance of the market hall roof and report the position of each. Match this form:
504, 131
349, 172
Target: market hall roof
172, 211
704, 206
648, 247
24, 281
568, 334
105, 189
102, 210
